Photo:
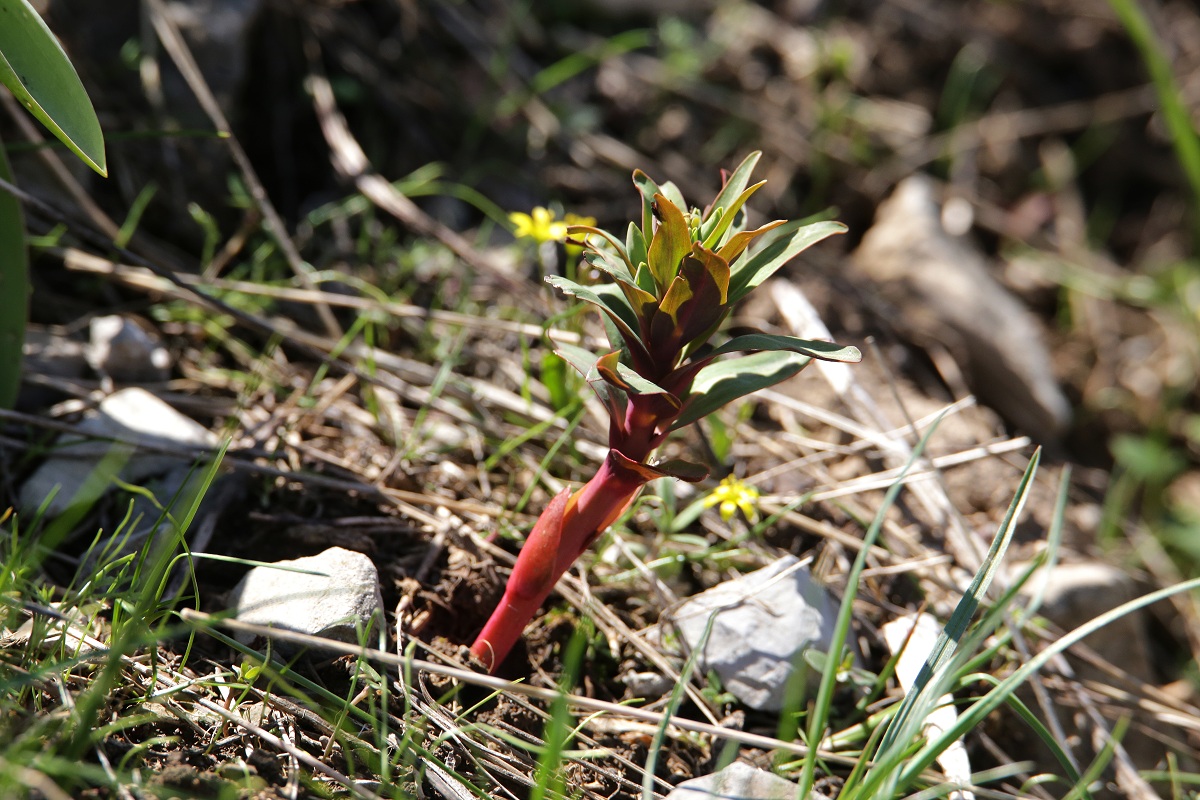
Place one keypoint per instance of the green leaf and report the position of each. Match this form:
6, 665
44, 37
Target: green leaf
635, 247
584, 362
608, 299
737, 243
14, 290
670, 244
643, 278
725, 381
618, 258
735, 184
826, 351
609, 263
38, 73
719, 232
670, 191
793, 240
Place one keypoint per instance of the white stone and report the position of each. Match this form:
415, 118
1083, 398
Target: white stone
738, 780
763, 623
334, 594
81, 468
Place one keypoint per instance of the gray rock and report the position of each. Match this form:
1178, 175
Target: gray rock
82, 467
763, 623
334, 594
943, 296
738, 781
125, 351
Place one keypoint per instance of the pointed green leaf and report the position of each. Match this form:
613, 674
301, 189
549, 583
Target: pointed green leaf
793, 240
635, 247
709, 223
38, 73
607, 298
644, 280
736, 244
14, 290
719, 232
670, 244
670, 191
724, 381
735, 184
826, 351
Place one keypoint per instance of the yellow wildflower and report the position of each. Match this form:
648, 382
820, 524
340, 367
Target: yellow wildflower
539, 226
731, 495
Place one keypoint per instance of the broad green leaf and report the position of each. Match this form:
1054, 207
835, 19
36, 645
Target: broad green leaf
670, 191
793, 240
670, 244
607, 298
722, 382
735, 184
826, 351
38, 73
14, 290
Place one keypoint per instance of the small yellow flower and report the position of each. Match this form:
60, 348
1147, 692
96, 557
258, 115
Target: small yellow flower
539, 226
731, 495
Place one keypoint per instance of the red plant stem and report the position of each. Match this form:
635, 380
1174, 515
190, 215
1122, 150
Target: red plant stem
566, 528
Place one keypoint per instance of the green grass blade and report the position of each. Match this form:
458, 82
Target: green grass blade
14, 290
36, 70
1175, 113
819, 714
979, 710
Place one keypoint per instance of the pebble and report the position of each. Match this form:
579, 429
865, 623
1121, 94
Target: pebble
738, 780
763, 623
81, 468
334, 594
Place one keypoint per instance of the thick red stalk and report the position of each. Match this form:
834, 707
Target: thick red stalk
566, 528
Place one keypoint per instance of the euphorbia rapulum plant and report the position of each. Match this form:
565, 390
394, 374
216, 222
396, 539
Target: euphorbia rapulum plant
667, 289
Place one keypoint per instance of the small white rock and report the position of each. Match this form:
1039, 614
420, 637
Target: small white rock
334, 594
763, 623
134, 417
738, 780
